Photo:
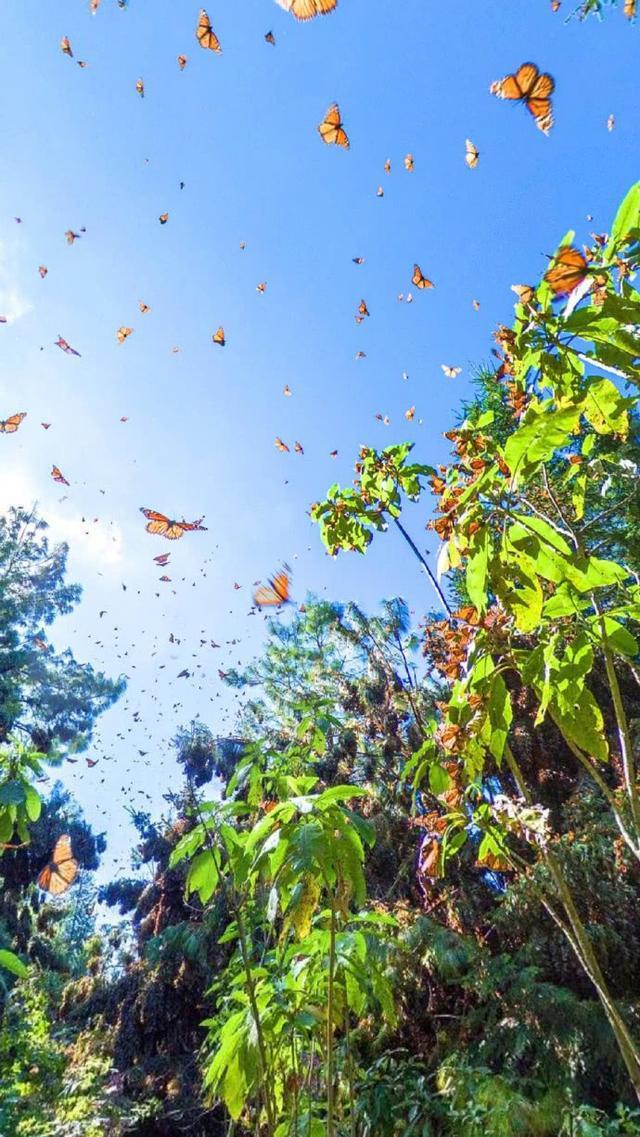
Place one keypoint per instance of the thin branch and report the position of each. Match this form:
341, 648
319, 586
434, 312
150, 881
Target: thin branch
412, 545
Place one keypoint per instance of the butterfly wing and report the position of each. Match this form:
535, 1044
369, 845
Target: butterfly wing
419, 279
568, 269
11, 424
273, 594
205, 34
526, 77
308, 9
331, 129
61, 871
219, 337
542, 112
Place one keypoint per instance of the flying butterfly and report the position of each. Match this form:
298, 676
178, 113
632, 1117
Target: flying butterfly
163, 218
71, 236
218, 337
308, 9
43, 270
161, 526
58, 476
270, 38
276, 592
140, 88
205, 34
123, 333
419, 279
66, 347
61, 871
531, 87
281, 446
409, 162
450, 372
65, 47
472, 156
568, 269
162, 559
331, 129
182, 62
11, 424
143, 307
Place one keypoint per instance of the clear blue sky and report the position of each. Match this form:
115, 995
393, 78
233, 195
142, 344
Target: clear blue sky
240, 131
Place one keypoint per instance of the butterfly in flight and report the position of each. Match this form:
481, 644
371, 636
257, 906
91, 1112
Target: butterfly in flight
205, 34
308, 9
162, 559
43, 270
472, 155
331, 129
123, 333
64, 346
162, 526
163, 218
140, 88
450, 372
182, 62
218, 337
143, 307
419, 279
281, 446
58, 476
568, 269
531, 87
276, 592
270, 38
65, 47
61, 871
409, 162
11, 424
71, 236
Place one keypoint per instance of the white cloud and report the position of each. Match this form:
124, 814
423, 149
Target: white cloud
13, 305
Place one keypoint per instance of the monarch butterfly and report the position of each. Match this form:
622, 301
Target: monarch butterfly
162, 526
568, 269
276, 592
362, 309
61, 871
410, 414
297, 446
450, 372
68, 350
71, 236
524, 292
43, 270
123, 333
58, 476
65, 47
162, 559
387, 166
281, 446
182, 62
630, 9
472, 155
358, 260
218, 337
611, 122
270, 38
143, 307
419, 279
163, 218
331, 129
262, 287
140, 88
493, 862
205, 34
379, 192
531, 87
409, 162
45, 425
286, 390
11, 424
308, 9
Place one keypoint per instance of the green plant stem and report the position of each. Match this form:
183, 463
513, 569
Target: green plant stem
434, 580
329, 1041
581, 945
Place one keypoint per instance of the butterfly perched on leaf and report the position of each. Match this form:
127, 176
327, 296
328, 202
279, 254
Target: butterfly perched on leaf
308, 9
11, 424
162, 526
331, 129
218, 337
472, 155
58, 476
275, 592
531, 87
205, 34
567, 270
123, 333
419, 279
61, 871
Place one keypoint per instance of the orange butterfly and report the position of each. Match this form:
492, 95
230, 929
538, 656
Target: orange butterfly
58, 476
362, 309
205, 34
61, 871
276, 592
182, 62
66, 347
270, 38
281, 446
162, 559
162, 526
419, 279
143, 307
123, 333
140, 88
262, 287
331, 129
308, 9
11, 424
409, 162
218, 337
531, 87
163, 218
568, 269
65, 47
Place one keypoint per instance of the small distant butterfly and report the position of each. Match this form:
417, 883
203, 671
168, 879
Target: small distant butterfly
362, 309
476, 305
307, 9
162, 559
182, 62
410, 414
472, 155
270, 38
409, 162
450, 372
58, 476
65, 47
331, 129
140, 88
379, 192
286, 390
419, 279
45, 425
161, 526
205, 34
43, 270
71, 236
358, 260
281, 446
143, 307
297, 446
611, 122
218, 337
568, 269
262, 287
123, 333
333, 453
61, 871
163, 218
361, 355
387, 166
62, 343
532, 88
276, 592
11, 424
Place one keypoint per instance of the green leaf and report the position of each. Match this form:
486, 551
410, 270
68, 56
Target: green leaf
439, 779
618, 637
477, 573
541, 433
548, 534
626, 220
605, 408
204, 874
12, 792
33, 802
11, 963
583, 724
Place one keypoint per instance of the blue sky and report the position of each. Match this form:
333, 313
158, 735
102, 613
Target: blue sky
81, 148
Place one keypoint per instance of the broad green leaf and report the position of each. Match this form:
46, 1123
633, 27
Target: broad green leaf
204, 874
582, 724
605, 408
618, 637
477, 573
542, 432
11, 963
548, 534
33, 802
